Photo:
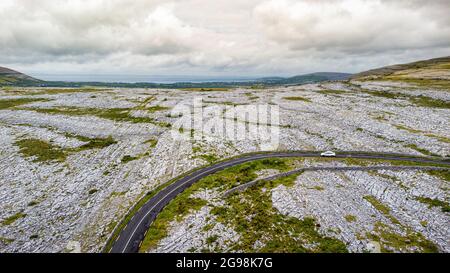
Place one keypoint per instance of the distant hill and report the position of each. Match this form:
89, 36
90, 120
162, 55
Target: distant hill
12, 77
432, 69
307, 78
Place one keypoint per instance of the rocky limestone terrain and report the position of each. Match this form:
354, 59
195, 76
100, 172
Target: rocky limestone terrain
73, 161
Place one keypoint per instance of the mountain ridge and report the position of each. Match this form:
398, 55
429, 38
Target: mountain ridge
12, 77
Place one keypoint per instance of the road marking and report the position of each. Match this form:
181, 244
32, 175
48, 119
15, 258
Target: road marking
187, 181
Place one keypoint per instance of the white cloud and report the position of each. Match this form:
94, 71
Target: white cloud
352, 26
92, 27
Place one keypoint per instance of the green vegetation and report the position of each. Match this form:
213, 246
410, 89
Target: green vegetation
384, 94
206, 89
13, 218
9, 103
33, 203
401, 127
96, 143
389, 240
415, 131
156, 108
421, 82
280, 233
116, 114
238, 175
41, 150
423, 151
318, 188
381, 208
350, 218
55, 91
257, 87
332, 92
297, 99
128, 158
118, 228
175, 210
92, 191
47, 152
369, 162
212, 239
152, 142
444, 174
6, 241
445, 206
229, 177
421, 101
429, 102
210, 158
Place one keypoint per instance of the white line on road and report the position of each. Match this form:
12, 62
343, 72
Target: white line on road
187, 181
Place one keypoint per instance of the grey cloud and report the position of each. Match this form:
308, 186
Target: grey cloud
86, 27
354, 26
255, 37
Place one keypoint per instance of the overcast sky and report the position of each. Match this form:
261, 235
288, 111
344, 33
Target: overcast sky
219, 37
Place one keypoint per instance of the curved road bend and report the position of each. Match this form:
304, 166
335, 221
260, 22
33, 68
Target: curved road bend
134, 232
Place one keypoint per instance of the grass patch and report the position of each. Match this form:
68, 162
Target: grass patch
427, 83
420, 150
401, 127
381, 208
389, 240
9, 103
128, 158
297, 99
47, 152
55, 91
210, 158
152, 142
33, 203
445, 207
429, 102
420, 100
6, 241
41, 150
156, 108
95, 143
388, 95
332, 92
350, 218
445, 174
212, 239
206, 89
115, 114
13, 218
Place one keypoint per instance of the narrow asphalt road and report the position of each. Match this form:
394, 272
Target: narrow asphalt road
131, 236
